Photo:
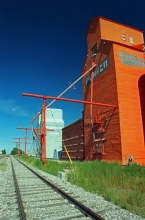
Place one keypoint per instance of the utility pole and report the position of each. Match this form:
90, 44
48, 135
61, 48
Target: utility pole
21, 142
25, 144
18, 142
43, 132
26, 129
17, 146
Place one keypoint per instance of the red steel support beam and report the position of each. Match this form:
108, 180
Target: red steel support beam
20, 142
25, 146
26, 129
18, 145
69, 100
43, 133
66, 90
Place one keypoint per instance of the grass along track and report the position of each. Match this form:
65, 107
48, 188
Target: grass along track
123, 186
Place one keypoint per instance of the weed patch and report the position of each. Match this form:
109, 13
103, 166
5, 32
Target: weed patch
124, 186
2, 165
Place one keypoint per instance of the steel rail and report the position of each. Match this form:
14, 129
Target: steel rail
22, 213
85, 210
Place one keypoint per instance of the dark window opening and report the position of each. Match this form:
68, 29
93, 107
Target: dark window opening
141, 86
94, 50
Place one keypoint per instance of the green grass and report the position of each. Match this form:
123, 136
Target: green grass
2, 166
124, 186
52, 167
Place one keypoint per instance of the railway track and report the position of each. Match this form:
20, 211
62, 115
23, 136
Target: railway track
1, 157
28, 194
37, 198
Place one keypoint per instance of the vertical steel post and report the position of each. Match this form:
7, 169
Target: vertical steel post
19, 147
41, 146
43, 136
103, 148
44, 132
42, 142
92, 74
25, 145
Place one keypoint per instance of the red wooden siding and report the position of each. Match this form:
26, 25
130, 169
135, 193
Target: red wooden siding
73, 139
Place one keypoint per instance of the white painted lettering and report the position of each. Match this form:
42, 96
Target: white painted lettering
101, 69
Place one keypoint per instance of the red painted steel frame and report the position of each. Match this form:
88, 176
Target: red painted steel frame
43, 134
44, 131
19, 145
21, 142
66, 90
26, 129
69, 100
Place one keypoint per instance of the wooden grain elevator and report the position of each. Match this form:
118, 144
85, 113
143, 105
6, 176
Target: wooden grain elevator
118, 79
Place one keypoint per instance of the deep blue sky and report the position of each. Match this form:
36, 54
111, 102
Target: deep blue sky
43, 48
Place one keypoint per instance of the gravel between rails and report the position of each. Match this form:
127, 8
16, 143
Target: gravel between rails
40, 201
8, 200
9, 207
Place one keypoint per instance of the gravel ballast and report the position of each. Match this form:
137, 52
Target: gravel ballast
9, 207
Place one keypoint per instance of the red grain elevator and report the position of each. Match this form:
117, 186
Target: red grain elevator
118, 79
